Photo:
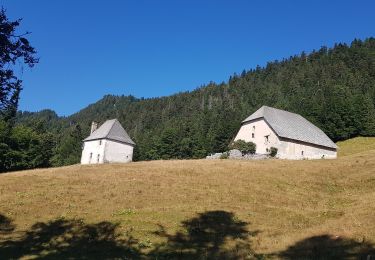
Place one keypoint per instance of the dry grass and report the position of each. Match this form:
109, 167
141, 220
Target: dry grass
285, 205
356, 145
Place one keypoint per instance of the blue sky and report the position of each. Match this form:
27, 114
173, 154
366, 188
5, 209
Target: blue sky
155, 48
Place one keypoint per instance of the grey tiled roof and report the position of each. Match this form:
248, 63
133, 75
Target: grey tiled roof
292, 126
111, 129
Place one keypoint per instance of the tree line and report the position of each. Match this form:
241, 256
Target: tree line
334, 88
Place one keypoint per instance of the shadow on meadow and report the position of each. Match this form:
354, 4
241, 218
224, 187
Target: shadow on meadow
70, 239
210, 235
329, 247
6, 225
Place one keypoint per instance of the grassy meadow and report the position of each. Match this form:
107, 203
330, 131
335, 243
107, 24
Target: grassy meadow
194, 209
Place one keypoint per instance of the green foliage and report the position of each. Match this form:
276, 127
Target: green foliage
273, 151
22, 147
244, 147
15, 50
224, 155
333, 88
69, 149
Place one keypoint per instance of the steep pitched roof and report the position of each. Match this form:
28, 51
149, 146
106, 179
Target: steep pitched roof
292, 126
113, 130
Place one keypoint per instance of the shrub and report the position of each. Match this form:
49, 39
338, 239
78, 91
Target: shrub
224, 155
273, 151
244, 147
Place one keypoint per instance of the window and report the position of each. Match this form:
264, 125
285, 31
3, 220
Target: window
254, 128
90, 156
266, 139
253, 135
302, 153
98, 158
100, 142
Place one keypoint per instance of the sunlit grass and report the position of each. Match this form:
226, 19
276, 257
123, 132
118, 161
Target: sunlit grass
356, 145
284, 201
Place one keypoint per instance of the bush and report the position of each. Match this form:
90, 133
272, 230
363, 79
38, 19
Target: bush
244, 147
273, 151
23, 148
224, 155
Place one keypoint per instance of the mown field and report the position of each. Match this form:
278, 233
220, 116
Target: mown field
194, 209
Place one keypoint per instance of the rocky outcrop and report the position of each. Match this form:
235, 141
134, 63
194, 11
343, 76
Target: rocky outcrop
237, 154
214, 156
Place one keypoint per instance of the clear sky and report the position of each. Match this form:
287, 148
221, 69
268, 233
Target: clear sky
155, 48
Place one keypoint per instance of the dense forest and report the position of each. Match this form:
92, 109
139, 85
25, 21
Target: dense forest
332, 87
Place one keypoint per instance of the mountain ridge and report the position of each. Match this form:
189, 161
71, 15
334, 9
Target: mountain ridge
334, 88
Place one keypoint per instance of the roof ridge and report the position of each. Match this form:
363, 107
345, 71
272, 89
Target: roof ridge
284, 111
113, 130
114, 121
291, 125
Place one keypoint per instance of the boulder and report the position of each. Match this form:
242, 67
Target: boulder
255, 156
235, 154
214, 156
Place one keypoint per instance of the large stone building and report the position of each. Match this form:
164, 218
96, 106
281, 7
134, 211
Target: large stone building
293, 136
107, 144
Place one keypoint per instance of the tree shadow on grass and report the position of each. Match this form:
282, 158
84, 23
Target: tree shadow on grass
70, 239
210, 235
6, 225
329, 247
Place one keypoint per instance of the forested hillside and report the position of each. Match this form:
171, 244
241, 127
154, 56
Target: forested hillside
332, 87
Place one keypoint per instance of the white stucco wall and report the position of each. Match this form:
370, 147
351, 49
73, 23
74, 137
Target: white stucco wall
92, 150
118, 152
290, 149
287, 149
106, 151
260, 131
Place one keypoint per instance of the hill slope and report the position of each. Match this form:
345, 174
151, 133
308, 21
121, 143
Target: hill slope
186, 209
356, 145
332, 87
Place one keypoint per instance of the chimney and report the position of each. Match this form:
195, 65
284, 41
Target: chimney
94, 126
